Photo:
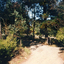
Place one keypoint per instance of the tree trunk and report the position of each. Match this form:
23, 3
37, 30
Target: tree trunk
46, 34
33, 30
46, 40
50, 42
0, 31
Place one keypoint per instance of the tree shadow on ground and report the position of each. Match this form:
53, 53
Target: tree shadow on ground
60, 44
57, 43
28, 41
61, 50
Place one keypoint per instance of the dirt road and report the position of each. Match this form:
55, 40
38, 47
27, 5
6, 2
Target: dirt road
44, 55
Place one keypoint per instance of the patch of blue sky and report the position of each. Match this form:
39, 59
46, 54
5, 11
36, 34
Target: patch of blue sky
35, 8
13, 0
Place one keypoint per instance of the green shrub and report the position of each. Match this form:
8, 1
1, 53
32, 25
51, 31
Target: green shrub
60, 34
27, 50
6, 48
8, 45
9, 49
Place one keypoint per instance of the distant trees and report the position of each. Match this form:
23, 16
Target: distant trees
55, 26
16, 13
49, 28
60, 19
14, 18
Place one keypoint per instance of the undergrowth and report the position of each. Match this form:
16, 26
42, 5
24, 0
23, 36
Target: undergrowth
9, 49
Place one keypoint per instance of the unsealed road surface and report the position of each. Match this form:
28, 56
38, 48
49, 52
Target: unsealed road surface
45, 55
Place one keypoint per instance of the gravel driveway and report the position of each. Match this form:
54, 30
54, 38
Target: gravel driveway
44, 55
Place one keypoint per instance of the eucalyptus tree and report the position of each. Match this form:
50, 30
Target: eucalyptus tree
15, 16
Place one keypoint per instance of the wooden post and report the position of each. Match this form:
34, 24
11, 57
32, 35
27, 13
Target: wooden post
0, 31
20, 42
50, 41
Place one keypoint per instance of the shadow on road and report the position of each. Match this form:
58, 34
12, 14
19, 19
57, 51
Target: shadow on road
28, 41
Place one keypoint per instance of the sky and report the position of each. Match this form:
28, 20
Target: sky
34, 9
30, 10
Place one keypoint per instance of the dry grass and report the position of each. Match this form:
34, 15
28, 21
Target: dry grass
53, 45
62, 56
16, 60
21, 57
62, 53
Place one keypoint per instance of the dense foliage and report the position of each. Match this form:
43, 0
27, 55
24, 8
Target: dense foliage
16, 22
6, 48
14, 17
60, 34
54, 27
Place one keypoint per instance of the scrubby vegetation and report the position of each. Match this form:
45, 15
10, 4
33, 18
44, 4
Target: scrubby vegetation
15, 24
9, 49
